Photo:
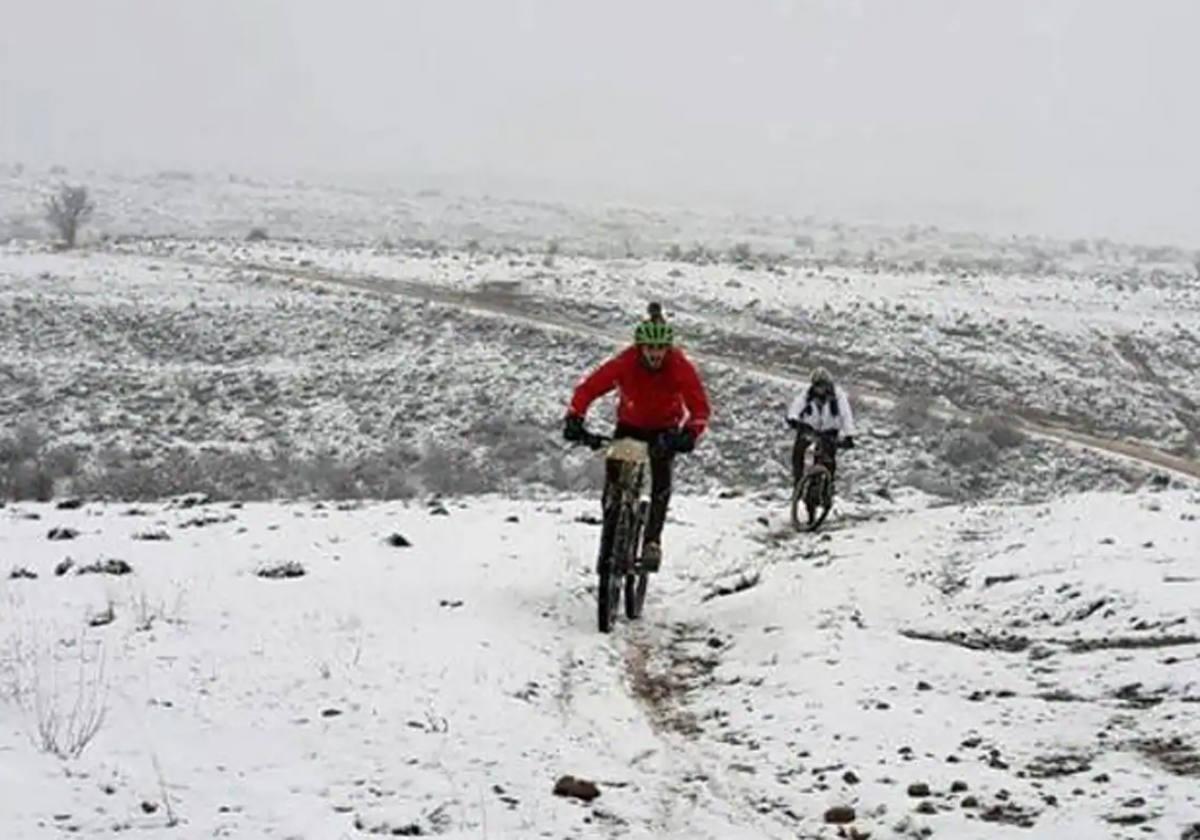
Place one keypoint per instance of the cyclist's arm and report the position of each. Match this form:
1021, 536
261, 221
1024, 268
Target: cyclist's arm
695, 399
845, 415
595, 385
796, 408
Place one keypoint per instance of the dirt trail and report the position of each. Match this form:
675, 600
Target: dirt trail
524, 309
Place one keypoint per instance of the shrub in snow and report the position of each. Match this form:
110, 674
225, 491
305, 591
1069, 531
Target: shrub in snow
28, 468
257, 234
68, 713
290, 569
966, 447
66, 210
913, 411
1000, 431
450, 471
111, 566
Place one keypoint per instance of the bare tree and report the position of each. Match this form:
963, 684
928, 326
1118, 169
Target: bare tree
67, 210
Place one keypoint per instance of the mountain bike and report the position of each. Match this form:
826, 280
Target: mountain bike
625, 510
814, 488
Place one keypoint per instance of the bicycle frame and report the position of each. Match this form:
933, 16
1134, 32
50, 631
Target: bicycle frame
624, 517
814, 487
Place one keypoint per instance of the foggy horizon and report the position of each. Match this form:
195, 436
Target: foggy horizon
1065, 118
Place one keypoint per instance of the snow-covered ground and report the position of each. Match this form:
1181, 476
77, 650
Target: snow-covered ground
1005, 619
444, 686
447, 381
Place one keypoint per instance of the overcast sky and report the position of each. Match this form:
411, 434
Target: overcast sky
1066, 116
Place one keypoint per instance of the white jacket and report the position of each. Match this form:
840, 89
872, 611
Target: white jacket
821, 417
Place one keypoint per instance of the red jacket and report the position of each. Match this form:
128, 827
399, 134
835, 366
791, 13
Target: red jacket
649, 399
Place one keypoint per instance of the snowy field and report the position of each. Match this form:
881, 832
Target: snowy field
997, 636
442, 687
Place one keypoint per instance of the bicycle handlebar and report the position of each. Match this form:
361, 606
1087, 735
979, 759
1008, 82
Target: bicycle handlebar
593, 441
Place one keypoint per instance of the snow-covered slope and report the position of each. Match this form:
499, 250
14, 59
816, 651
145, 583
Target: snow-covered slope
174, 366
444, 686
996, 636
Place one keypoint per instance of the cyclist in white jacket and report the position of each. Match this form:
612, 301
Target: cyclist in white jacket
821, 407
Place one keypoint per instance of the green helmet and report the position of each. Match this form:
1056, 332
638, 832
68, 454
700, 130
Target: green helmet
654, 334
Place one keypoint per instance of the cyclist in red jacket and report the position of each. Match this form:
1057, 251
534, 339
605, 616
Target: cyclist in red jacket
661, 401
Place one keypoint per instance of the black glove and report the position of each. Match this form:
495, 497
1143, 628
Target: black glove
792, 422
848, 442
676, 440
573, 430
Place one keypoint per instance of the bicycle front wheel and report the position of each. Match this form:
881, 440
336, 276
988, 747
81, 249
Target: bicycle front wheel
816, 500
797, 503
614, 566
636, 580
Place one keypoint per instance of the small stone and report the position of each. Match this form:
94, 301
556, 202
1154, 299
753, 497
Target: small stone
918, 789
850, 777
1101, 778
840, 815
970, 802
149, 807
958, 786
574, 788
398, 541
924, 686
62, 534
331, 712
926, 806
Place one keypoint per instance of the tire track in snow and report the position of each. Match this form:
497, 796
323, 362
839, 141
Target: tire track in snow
517, 308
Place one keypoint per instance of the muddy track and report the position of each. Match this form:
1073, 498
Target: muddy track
536, 313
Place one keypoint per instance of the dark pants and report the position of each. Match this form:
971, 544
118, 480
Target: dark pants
804, 437
660, 479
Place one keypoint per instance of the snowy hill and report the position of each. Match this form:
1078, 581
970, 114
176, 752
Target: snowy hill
996, 636
442, 687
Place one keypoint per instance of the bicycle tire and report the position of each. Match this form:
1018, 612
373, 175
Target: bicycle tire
606, 593
815, 495
637, 582
797, 495
612, 571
